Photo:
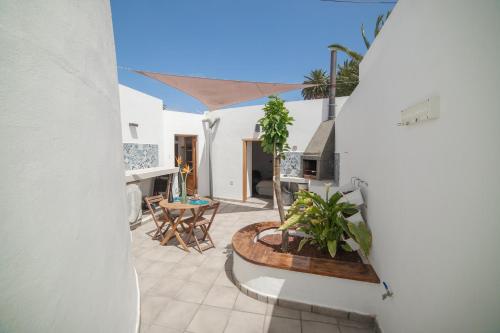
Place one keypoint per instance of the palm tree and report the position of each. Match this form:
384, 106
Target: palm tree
347, 77
320, 78
348, 73
378, 26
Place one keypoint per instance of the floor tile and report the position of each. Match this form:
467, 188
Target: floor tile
161, 329
163, 253
215, 262
182, 271
193, 259
224, 280
356, 324
193, 292
249, 304
221, 296
347, 329
176, 314
166, 286
279, 311
209, 319
244, 322
151, 307
142, 264
146, 283
281, 325
317, 317
157, 268
317, 327
205, 275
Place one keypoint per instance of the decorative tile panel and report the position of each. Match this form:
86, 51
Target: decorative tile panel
140, 156
291, 166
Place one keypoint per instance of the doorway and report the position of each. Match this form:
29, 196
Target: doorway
186, 148
257, 171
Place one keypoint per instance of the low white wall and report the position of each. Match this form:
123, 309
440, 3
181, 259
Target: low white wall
433, 188
340, 294
186, 123
238, 123
65, 244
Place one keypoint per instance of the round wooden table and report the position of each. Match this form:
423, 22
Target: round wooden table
176, 221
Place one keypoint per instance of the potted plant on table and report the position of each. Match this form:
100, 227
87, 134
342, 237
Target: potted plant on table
184, 171
326, 223
274, 138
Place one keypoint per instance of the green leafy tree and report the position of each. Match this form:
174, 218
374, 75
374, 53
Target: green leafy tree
320, 78
274, 138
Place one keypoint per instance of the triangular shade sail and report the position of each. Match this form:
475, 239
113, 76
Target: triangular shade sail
216, 94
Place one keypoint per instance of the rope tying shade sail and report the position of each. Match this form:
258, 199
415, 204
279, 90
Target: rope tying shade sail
216, 93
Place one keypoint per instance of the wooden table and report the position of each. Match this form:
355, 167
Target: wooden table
175, 222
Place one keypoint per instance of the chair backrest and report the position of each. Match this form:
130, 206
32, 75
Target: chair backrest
213, 206
152, 203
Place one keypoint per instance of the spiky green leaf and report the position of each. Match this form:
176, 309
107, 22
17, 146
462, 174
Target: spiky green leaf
346, 247
290, 222
332, 247
362, 235
303, 242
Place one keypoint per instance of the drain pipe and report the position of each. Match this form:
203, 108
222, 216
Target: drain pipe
331, 113
211, 125
333, 84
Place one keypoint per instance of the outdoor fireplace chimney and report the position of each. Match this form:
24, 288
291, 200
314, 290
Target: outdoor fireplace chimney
333, 83
318, 160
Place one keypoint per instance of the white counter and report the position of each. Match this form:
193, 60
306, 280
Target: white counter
141, 174
294, 179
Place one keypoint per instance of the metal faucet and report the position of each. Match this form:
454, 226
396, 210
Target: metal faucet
388, 292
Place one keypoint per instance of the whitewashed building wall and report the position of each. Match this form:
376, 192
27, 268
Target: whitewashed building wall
65, 261
433, 188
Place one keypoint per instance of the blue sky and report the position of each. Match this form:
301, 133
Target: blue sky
255, 40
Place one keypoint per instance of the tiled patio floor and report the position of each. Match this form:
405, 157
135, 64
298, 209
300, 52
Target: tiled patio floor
191, 292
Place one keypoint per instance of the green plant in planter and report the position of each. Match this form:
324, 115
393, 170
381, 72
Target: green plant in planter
274, 141
325, 224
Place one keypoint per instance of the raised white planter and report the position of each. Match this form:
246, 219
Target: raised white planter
312, 289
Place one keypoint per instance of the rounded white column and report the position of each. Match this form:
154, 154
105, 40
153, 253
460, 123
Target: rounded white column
64, 239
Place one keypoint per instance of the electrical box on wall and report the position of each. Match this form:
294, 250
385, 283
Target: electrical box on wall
423, 111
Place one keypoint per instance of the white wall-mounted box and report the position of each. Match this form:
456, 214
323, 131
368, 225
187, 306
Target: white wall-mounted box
423, 111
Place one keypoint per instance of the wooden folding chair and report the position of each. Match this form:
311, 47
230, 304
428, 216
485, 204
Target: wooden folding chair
203, 224
160, 220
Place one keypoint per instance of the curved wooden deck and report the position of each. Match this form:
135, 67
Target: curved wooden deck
257, 253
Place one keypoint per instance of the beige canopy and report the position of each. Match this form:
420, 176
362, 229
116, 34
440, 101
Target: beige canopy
216, 93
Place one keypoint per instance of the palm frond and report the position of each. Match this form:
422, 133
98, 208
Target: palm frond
365, 39
378, 25
353, 54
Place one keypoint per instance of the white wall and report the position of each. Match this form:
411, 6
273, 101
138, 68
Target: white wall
433, 188
313, 289
239, 123
64, 249
147, 112
186, 123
